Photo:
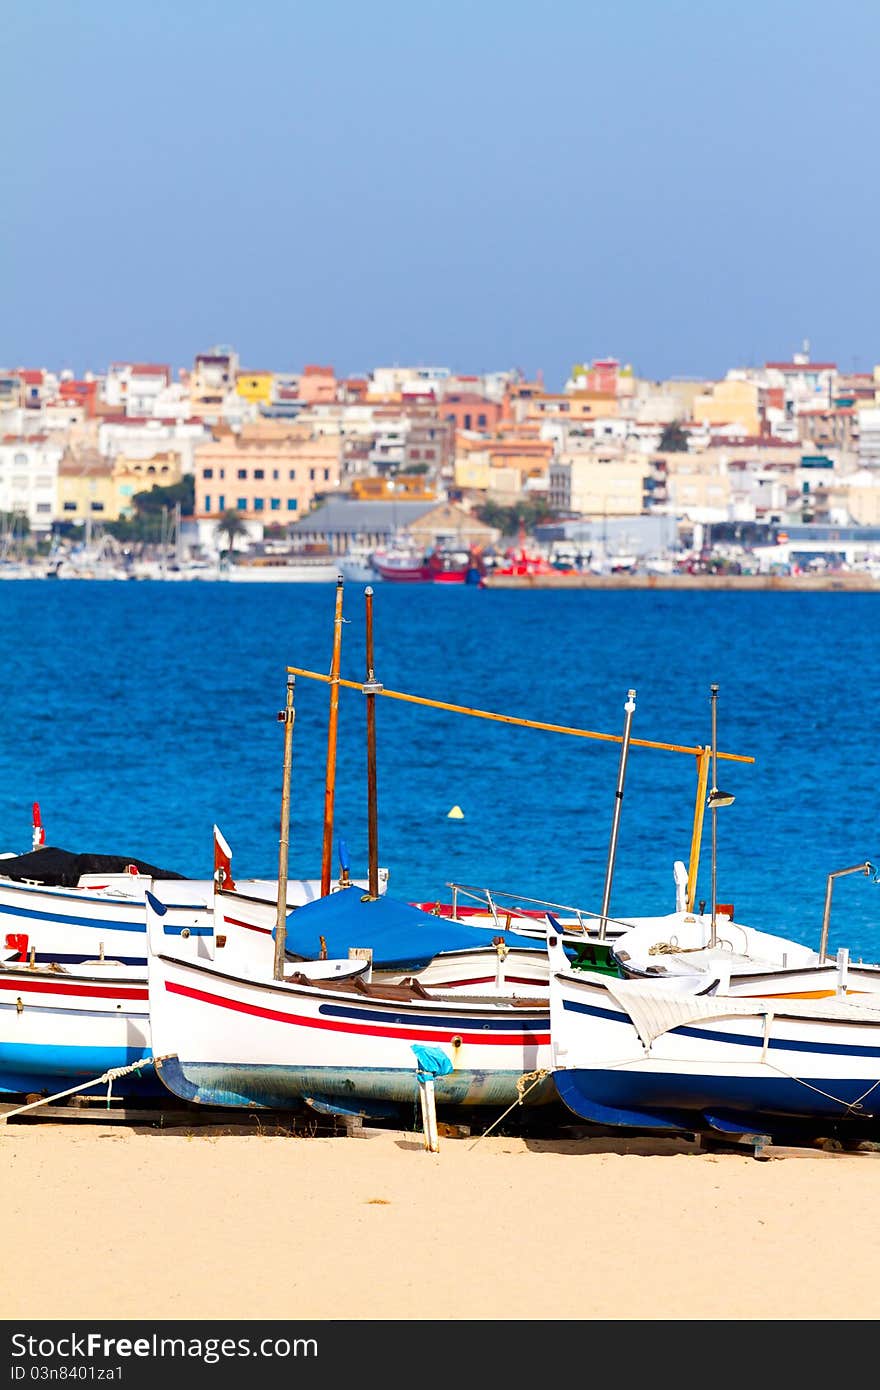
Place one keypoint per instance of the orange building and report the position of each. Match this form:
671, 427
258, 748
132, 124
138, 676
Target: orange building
271, 471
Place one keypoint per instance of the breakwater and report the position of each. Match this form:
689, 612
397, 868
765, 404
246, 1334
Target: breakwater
849, 582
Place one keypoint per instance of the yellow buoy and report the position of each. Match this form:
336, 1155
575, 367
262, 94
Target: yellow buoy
456, 814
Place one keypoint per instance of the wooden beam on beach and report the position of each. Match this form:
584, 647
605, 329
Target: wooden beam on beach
337, 681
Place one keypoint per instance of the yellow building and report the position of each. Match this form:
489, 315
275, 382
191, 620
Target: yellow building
86, 488
408, 487
860, 495
696, 482
519, 450
256, 386
573, 406
730, 402
598, 487
133, 475
471, 471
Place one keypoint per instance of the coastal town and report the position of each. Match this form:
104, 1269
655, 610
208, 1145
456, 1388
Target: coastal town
220, 468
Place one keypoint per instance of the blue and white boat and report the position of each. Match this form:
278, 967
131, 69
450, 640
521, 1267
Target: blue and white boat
61, 907
683, 1054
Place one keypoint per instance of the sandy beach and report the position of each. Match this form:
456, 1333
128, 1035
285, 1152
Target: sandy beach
112, 1221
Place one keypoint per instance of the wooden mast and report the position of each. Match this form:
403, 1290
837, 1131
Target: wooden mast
513, 719
286, 717
703, 755
330, 779
629, 709
371, 688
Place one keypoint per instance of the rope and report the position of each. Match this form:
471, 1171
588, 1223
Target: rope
109, 1076
521, 1092
848, 1107
671, 948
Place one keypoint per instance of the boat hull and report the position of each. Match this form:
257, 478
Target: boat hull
59, 1030
698, 1062
237, 1041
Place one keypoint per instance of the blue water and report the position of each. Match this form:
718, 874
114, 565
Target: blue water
139, 714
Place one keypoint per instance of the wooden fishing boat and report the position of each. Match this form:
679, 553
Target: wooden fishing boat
682, 1054
63, 908
62, 1026
222, 1035
401, 941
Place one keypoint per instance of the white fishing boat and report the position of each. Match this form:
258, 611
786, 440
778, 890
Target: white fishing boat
60, 907
221, 1036
281, 569
680, 1054
356, 566
65, 1028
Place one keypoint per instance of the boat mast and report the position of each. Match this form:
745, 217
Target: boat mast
286, 717
371, 687
330, 779
716, 798
629, 707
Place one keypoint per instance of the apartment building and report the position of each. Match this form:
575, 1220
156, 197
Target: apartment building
87, 487
269, 471
29, 478
590, 485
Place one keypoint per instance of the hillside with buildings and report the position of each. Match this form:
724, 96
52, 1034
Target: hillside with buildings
779, 464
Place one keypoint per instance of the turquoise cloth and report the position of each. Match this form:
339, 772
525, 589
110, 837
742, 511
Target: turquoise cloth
432, 1062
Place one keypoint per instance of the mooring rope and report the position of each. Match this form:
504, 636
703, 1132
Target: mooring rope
112, 1074
521, 1092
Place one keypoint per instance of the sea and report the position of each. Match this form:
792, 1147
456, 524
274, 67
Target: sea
140, 714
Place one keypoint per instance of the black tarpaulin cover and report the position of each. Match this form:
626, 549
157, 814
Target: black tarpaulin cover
61, 868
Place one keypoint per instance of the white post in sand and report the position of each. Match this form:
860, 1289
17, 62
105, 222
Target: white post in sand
429, 1112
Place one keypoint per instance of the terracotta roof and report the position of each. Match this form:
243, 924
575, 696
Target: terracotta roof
29, 377
802, 366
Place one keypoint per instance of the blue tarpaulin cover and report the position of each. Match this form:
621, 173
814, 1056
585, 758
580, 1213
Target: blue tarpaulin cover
400, 936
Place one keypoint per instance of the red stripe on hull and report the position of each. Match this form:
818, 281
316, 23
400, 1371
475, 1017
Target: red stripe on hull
248, 926
84, 991
438, 1034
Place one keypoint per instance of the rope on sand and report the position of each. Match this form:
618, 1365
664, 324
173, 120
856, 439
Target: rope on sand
521, 1092
109, 1076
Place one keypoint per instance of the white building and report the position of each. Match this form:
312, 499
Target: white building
142, 439
408, 381
869, 436
29, 478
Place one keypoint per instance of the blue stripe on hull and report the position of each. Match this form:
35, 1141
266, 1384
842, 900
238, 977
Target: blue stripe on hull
27, 1067
31, 914
713, 1035
688, 1102
280, 1088
463, 1023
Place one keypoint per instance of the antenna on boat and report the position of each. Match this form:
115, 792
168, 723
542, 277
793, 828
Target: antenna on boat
629, 707
285, 717
330, 781
716, 798
371, 688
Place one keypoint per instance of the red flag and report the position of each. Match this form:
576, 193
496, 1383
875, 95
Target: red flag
39, 836
222, 863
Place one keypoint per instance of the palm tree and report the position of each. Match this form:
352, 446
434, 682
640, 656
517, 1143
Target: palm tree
231, 526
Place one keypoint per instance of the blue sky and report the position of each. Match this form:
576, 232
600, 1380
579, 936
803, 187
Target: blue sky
686, 186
